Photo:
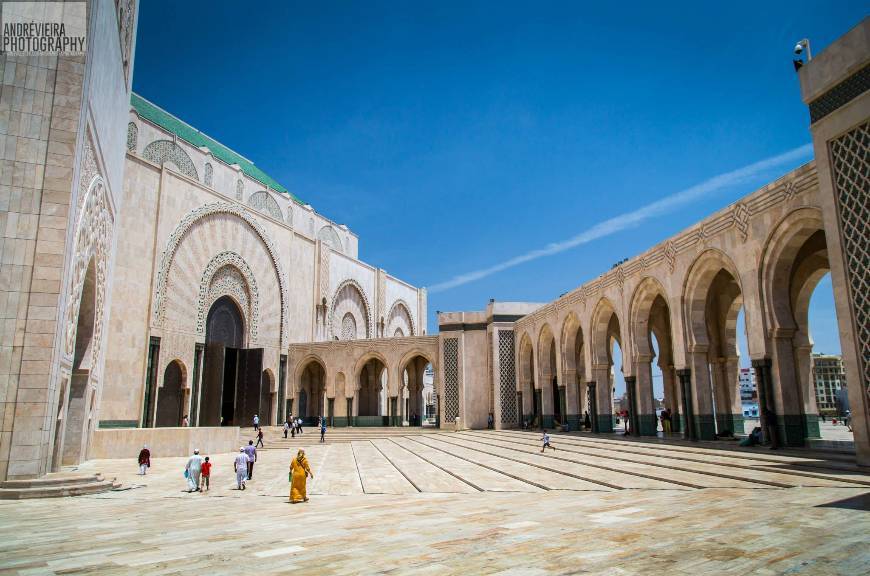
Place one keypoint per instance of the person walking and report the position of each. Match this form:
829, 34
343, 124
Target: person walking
299, 473
144, 460
322, 430
256, 422
240, 465
770, 426
286, 428
587, 423
260, 438
667, 425
545, 440
193, 469
847, 420
299, 421
292, 426
251, 452
206, 474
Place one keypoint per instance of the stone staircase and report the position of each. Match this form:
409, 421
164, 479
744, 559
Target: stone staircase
273, 437
56, 485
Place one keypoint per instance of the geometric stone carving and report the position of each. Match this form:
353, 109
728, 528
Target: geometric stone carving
451, 379
850, 154
132, 136
162, 151
329, 237
399, 319
227, 274
507, 377
740, 217
350, 298
348, 327
263, 203
240, 189
207, 174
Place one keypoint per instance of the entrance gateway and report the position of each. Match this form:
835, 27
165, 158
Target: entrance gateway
233, 389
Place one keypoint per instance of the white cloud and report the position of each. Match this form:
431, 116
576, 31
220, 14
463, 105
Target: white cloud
629, 219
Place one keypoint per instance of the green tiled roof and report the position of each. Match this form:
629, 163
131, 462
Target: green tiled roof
186, 132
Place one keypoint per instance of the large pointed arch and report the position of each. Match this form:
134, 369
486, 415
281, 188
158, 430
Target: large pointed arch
182, 229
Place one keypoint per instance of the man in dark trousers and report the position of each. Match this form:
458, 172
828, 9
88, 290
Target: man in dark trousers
251, 453
770, 425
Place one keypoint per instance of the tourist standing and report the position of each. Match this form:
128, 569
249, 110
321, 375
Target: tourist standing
847, 420
144, 460
667, 425
193, 469
251, 452
206, 473
260, 438
292, 426
322, 430
545, 440
299, 473
299, 422
185, 422
587, 423
256, 422
286, 428
489, 421
240, 465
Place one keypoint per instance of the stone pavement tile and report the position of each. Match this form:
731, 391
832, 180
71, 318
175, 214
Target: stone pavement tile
477, 476
378, 475
639, 469
425, 476
526, 472
338, 475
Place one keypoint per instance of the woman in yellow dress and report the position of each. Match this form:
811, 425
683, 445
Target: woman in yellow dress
299, 472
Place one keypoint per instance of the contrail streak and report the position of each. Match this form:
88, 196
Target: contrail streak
635, 217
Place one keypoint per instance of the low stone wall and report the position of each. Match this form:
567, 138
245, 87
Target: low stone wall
126, 442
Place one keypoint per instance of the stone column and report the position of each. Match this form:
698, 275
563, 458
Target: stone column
732, 381
603, 398
547, 400
644, 400
592, 402
673, 399
631, 394
572, 400
701, 395
785, 389
687, 421
762, 382
803, 352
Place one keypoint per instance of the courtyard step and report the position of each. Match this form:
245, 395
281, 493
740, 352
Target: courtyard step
56, 485
273, 437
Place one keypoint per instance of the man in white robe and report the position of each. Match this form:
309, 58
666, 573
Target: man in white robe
241, 466
194, 468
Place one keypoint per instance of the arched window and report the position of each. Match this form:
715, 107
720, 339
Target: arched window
263, 202
207, 175
132, 136
162, 151
348, 327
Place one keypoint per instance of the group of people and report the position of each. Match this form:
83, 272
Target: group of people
292, 425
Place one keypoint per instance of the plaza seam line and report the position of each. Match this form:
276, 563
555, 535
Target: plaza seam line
502, 472
395, 466
670, 454
638, 474
576, 450
424, 459
688, 448
320, 467
542, 467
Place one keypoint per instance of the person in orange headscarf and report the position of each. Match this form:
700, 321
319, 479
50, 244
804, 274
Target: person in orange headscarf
299, 473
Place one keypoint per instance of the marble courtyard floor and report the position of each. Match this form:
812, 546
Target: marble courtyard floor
482, 502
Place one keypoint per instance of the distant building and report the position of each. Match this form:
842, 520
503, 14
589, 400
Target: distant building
829, 376
748, 389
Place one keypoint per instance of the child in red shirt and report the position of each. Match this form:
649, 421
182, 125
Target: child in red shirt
206, 473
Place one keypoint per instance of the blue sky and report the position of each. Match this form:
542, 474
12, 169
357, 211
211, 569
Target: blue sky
452, 136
